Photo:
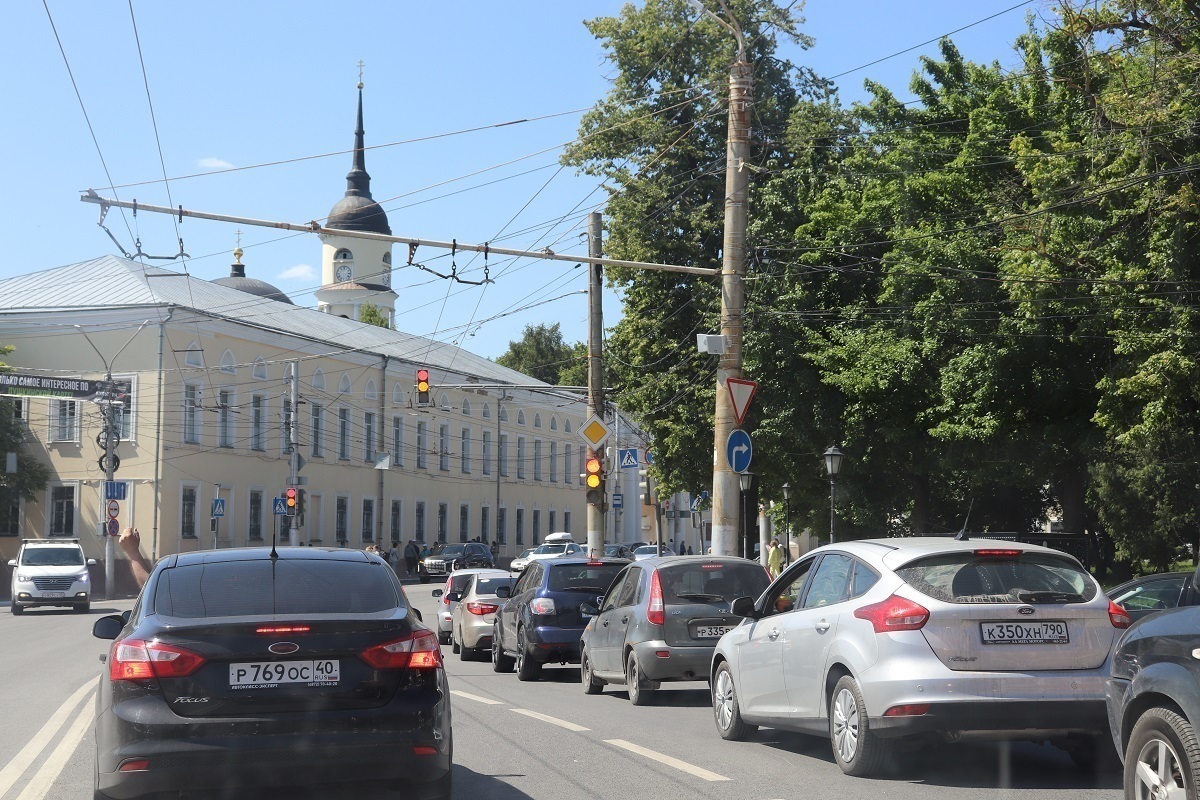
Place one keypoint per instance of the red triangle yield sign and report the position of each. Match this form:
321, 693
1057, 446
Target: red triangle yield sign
741, 392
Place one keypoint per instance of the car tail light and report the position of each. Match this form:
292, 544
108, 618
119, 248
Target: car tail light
912, 710
482, 608
424, 750
283, 629
135, 659
1118, 616
997, 553
595, 564
894, 614
654, 612
420, 650
446, 592
712, 566
134, 765
541, 605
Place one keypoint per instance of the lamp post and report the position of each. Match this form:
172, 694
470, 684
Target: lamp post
745, 480
833, 465
787, 524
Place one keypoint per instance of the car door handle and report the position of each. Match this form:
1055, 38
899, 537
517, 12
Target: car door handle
774, 634
606, 623
822, 626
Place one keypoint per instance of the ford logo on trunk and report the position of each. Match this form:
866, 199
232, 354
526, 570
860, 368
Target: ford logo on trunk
287, 648
1024, 611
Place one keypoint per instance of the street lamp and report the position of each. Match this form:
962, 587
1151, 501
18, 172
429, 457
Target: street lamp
787, 524
745, 479
833, 465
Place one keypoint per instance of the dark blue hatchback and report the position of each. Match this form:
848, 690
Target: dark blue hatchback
540, 621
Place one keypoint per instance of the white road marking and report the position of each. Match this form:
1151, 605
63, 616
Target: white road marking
683, 766
476, 698
41, 782
16, 768
562, 723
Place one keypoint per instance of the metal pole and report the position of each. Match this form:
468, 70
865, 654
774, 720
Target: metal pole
294, 448
733, 270
110, 446
832, 510
595, 397
499, 459
787, 524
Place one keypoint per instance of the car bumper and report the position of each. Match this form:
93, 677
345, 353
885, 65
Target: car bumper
660, 661
445, 621
26, 597
476, 630
1007, 718
555, 644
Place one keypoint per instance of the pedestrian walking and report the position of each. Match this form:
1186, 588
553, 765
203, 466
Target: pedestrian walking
775, 558
495, 549
682, 550
393, 559
410, 558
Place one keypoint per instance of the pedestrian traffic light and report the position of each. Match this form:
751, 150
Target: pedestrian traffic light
422, 387
644, 487
593, 478
291, 497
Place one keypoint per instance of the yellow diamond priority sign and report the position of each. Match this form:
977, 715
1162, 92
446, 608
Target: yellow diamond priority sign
594, 431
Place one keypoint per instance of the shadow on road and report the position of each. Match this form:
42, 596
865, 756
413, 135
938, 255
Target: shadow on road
468, 783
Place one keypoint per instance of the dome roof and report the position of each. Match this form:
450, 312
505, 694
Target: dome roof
254, 286
356, 212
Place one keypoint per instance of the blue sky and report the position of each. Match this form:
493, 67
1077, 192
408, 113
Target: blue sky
239, 84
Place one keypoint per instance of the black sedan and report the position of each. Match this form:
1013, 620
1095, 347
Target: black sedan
1154, 705
239, 670
1150, 593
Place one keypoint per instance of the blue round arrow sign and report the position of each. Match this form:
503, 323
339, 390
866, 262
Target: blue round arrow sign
739, 451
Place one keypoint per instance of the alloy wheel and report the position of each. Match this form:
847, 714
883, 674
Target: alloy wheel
1159, 772
723, 699
845, 725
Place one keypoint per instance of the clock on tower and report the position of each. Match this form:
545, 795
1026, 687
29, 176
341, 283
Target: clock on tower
343, 273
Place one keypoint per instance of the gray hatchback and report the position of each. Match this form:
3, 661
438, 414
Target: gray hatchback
661, 619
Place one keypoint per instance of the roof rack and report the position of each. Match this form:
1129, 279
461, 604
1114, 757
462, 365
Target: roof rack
55, 540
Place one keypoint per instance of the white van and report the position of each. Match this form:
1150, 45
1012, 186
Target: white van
51, 572
556, 545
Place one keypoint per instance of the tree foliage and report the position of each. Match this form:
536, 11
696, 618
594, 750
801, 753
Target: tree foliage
32, 475
372, 314
541, 353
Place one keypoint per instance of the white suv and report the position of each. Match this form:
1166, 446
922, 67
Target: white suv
51, 573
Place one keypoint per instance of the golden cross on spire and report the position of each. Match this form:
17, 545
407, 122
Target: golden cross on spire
360, 70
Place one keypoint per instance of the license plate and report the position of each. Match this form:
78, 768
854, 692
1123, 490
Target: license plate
710, 631
54, 594
1041, 632
268, 674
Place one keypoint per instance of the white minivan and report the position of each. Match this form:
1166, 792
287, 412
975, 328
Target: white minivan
51, 572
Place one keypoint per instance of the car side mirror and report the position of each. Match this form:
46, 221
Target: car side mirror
417, 611
454, 597
588, 609
503, 591
108, 627
743, 607
12, 562
91, 562
125, 615
438, 592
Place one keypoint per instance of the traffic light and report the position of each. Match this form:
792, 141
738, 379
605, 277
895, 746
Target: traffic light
422, 387
301, 502
291, 496
644, 487
593, 478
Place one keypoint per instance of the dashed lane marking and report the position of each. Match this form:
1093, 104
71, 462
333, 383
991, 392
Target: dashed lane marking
682, 766
53, 766
562, 723
16, 768
468, 696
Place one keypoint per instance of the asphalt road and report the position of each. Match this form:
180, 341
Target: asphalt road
515, 740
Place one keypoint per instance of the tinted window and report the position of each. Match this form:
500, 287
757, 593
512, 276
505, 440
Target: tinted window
700, 582
629, 590
1026, 578
614, 592
486, 586
1152, 595
829, 581
52, 557
592, 579
459, 583
785, 595
864, 578
290, 586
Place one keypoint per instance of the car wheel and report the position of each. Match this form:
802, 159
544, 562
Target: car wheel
444, 638
527, 668
466, 653
858, 751
454, 645
1162, 759
726, 711
17, 610
641, 691
500, 662
591, 684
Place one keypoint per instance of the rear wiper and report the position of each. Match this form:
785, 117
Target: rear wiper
699, 596
1049, 597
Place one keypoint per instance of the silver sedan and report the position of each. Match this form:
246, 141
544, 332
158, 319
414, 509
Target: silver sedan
474, 614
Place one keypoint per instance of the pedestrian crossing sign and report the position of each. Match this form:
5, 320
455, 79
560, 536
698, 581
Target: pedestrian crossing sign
280, 507
628, 458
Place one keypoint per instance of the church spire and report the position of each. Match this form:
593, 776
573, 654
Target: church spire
358, 182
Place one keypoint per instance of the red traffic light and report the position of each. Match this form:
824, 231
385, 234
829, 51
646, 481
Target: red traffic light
422, 380
290, 496
592, 467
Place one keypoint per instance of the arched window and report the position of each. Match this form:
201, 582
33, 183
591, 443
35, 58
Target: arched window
370, 392
343, 255
397, 395
503, 414
318, 379
553, 423
537, 420
487, 411
444, 401
566, 426
194, 356
466, 408
520, 417
344, 384
260, 370
387, 258
228, 363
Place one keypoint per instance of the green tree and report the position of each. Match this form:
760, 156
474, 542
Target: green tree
373, 315
540, 353
32, 475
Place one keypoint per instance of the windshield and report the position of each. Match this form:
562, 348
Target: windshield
525, 553
1026, 578
448, 550
646, 550
551, 549
52, 557
714, 581
590, 578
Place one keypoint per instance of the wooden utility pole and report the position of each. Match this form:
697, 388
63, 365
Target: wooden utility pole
595, 395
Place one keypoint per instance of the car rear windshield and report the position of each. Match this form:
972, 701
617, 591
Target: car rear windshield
700, 582
590, 578
52, 557
967, 577
459, 582
486, 586
288, 586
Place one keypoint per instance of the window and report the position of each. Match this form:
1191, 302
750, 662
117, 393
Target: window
397, 441
537, 525
64, 420
487, 452
344, 434
520, 526
368, 519
784, 596
553, 520
554, 462
191, 416
537, 420
485, 524
318, 430
285, 436
444, 401
18, 407
397, 515
487, 411
537, 459
829, 581
422, 446
187, 512
194, 356
464, 522
466, 407
368, 436
553, 423
343, 255
520, 417
502, 525
122, 418
504, 454
520, 457
568, 462
258, 436
503, 414
420, 521
397, 395
260, 370
224, 421
228, 363
567, 521
443, 522
465, 452
256, 514
10, 517
444, 447
344, 385
369, 391
318, 379
341, 520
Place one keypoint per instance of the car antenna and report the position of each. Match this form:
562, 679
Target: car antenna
961, 536
274, 533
